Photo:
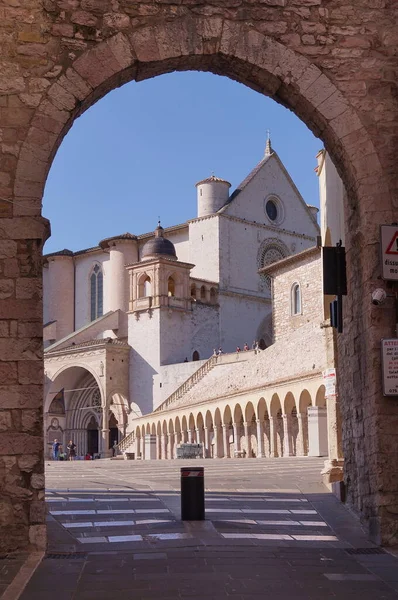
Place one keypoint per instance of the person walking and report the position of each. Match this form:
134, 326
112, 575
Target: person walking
245, 347
55, 449
71, 447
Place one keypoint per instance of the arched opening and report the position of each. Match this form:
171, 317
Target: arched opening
203, 293
92, 437
171, 286
73, 400
144, 286
213, 296
193, 291
113, 426
291, 79
195, 355
261, 344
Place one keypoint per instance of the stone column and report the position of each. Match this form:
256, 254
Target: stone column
207, 443
248, 439
190, 436
287, 437
260, 439
198, 440
333, 469
216, 434
301, 445
225, 436
158, 447
137, 446
164, 446
171, 445
236, 437
273, 432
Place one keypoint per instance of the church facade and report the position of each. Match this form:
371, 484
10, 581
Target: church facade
130, 321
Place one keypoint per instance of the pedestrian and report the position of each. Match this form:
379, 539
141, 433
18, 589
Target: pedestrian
114, 448
256, 348
246, 347
237, 349
186, 359
219, 351
71, 447
56, 447
214, 352
254, 345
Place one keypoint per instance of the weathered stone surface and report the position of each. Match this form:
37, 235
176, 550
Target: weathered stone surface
334, 64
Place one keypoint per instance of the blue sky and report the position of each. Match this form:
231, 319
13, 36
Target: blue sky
138, 152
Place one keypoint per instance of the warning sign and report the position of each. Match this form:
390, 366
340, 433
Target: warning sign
389, 251
389, 355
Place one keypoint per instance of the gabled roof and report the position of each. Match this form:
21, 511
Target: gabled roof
247, 180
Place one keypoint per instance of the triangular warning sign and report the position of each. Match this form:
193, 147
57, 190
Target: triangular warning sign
392, 247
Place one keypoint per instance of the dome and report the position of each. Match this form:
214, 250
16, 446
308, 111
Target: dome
158, 246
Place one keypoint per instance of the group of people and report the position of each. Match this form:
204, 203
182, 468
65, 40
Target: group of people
58, 453
255, 347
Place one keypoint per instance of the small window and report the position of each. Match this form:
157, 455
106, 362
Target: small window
271, 210
296, 299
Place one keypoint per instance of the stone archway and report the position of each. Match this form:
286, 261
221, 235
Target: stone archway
44, 94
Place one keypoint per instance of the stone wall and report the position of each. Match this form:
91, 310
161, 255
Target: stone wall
332, 63
307, 273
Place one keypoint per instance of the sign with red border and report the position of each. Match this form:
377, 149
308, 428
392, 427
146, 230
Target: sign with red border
389, 357
389, 252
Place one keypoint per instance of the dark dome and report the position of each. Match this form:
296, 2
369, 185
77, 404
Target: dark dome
159, 246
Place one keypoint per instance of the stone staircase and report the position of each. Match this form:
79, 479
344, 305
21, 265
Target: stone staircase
188, 384
197, 376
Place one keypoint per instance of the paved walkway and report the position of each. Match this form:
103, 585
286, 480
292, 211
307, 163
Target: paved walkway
271, 527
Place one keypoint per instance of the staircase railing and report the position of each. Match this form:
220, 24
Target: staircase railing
126, 442
188, 384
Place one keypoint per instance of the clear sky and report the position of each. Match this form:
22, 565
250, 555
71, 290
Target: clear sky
137, 154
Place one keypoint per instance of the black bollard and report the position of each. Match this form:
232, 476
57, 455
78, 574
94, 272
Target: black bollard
192, 494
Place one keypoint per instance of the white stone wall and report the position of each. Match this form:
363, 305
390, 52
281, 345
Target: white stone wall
308, 274
84, 264
170, 377
331, 192
272, 179
143, 337
241, 243
240, 319
204, 245
61, 294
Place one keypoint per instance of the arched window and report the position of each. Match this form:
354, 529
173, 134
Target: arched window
171, 287
144, 287
96, 293
195, 355
296, 299
193, 291
203, 293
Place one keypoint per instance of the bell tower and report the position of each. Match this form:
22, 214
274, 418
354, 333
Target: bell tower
159, 317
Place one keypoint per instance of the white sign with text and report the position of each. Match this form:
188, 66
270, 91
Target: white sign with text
389, 356
389, 252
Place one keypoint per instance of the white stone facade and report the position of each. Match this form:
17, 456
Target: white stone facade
173, 296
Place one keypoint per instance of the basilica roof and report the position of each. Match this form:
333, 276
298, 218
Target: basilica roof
158, 246
123, 236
